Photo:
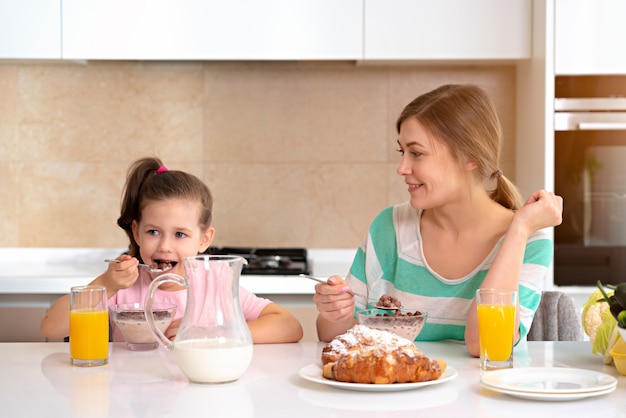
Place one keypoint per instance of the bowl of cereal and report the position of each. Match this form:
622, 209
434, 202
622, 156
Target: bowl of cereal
130, 319
407, 323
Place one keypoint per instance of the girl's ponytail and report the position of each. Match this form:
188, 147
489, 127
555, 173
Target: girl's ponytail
137, 175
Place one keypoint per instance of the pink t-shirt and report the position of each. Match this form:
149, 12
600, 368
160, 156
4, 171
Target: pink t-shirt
251, 304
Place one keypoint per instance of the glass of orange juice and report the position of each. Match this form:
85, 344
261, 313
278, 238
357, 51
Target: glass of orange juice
89, 326
496, 327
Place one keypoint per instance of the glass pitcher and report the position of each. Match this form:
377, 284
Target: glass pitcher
213, 344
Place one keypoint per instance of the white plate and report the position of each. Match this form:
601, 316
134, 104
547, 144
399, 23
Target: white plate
548, 380
543, 396
313, 373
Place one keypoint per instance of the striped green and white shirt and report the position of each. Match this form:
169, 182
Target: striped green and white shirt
391, 261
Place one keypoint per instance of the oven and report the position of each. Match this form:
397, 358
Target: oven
590, 174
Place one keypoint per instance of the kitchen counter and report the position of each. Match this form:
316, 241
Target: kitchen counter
139, 384
31, 279
54, 270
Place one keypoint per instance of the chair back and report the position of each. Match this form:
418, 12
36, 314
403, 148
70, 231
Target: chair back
557, 319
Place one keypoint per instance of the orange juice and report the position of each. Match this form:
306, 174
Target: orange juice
496, 324
89, 334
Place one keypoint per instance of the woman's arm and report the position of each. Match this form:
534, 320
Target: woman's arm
504, 273
543, 209
327, 330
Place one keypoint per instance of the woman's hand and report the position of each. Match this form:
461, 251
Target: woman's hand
333, 301
335, 306
543, 209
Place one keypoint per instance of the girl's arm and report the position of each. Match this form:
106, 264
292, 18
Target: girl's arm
275, 325
56, 321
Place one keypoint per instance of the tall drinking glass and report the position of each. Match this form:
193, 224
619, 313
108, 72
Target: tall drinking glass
89, 326
496, 327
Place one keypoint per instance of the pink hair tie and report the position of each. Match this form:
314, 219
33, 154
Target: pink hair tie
161, 169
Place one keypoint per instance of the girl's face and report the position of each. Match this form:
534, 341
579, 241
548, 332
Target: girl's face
433, 175
169, 231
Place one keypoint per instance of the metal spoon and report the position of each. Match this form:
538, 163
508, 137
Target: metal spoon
315, 279
149, 268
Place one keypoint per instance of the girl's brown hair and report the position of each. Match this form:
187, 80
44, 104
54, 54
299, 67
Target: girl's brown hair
464, 119
144, 183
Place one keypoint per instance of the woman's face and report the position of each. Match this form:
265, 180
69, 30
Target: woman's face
169, 231
432, 174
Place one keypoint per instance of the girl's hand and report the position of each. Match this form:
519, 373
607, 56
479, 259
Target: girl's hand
333, 302
172, 330
121, 275
543, 209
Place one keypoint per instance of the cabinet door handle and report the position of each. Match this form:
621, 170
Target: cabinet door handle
604, 126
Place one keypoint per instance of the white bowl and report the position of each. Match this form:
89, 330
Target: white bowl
622, 332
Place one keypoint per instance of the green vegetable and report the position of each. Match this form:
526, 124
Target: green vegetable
616, 301
621, 319
620, 294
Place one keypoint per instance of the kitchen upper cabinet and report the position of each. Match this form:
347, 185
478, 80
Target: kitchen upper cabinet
590, 37
447, 29
213, 30
30, 29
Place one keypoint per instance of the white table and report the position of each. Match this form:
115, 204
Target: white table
36, 380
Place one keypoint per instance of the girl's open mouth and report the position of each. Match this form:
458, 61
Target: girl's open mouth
164, 264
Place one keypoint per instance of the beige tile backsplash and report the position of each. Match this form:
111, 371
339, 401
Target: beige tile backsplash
296, 154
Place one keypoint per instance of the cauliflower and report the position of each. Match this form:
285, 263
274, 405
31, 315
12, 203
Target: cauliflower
593, 315
600, 325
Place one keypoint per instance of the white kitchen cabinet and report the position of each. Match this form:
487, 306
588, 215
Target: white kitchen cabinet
30, 29
447, 29
590, 37
213, 30
20, 317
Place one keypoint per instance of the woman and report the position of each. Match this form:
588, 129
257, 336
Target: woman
454, 235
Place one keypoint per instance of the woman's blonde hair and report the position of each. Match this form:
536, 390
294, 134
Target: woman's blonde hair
463, 118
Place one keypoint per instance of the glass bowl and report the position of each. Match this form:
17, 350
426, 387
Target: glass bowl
130, 319
406, 323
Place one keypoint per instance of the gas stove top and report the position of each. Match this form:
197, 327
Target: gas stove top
268, 261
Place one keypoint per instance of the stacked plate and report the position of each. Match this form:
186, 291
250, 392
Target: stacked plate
549, 383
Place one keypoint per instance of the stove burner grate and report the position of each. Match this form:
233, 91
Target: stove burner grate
269, 261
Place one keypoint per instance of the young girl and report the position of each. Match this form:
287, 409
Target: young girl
454, 235
167, 216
